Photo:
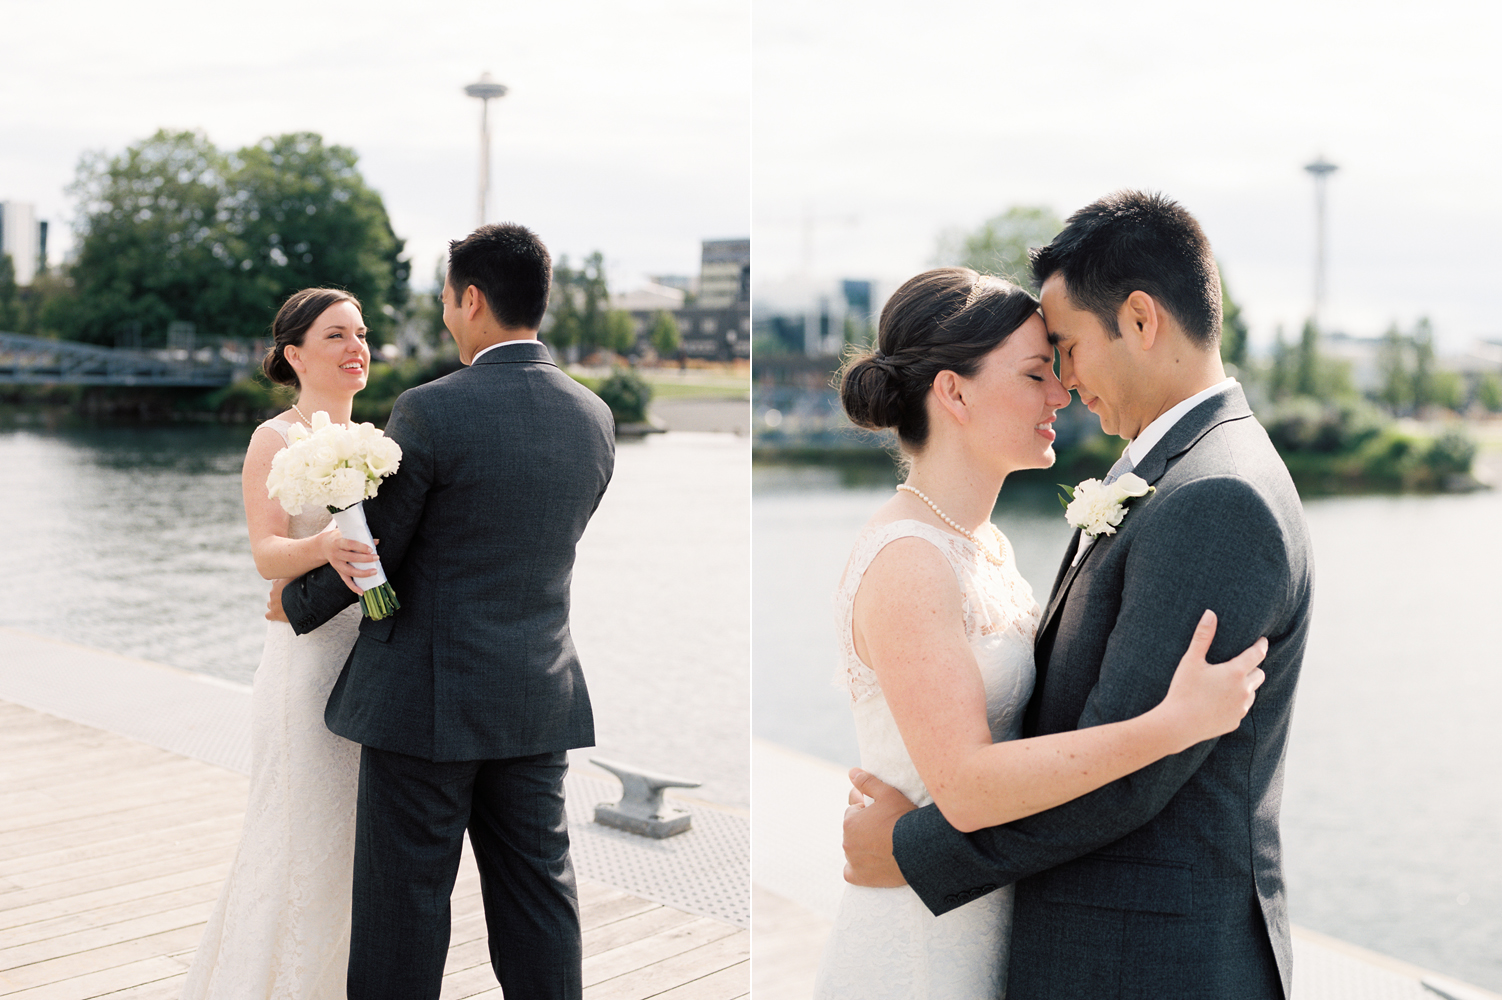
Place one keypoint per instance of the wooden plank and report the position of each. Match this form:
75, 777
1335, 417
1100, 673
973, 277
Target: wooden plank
107, 957
90, 938
643, 953
102, 982
207, 875
726, 984
104, 916
674, 970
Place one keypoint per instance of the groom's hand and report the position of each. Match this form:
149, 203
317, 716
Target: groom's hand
274, 612
868, 832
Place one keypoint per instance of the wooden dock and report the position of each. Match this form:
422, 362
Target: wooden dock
112, 853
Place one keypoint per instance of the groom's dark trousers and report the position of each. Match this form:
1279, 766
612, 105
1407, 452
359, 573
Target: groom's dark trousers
467, 698
1169, 882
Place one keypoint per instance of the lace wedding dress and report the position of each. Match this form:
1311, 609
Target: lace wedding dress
885, 942
281, 927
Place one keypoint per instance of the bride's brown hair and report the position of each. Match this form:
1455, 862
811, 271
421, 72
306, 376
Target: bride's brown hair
946, 319
291, 324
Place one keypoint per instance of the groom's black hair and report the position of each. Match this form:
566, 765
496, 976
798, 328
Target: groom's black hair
1136, 241
510, 266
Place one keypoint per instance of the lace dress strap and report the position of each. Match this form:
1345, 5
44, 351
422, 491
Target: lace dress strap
852, 674
280, 426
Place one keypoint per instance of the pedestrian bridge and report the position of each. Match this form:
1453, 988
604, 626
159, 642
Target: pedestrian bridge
39, 361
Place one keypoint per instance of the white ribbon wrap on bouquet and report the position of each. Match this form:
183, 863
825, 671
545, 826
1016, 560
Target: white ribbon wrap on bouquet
351, 522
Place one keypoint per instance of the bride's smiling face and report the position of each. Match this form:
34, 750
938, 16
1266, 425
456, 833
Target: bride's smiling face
1013, 398
333, 356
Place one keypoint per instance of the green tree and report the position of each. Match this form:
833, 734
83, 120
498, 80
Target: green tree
999, 246
620, 331
665, 336
1395, 390
10, 297
580, 305
1423, 363
153, 247
172, 229
1306, 379
1489, 392
1233, 329
1281, 376
304, 216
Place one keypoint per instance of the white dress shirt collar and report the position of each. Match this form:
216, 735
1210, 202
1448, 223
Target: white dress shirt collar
503, 343
1144, 442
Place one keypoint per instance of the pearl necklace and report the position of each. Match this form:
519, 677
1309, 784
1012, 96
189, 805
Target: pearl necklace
994, 560
304, 419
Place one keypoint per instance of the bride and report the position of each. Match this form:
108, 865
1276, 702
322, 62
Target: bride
936, 627
281, 926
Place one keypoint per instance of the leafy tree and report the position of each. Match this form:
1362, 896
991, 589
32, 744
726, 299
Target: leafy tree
620, 331
999, 246
1396, 388
1281, 378
304, 216
1423, 363
153, 246
1447, 389
580, 305
665, 336
1233, 329
1306, 372
1489, 392
10, 297
173, 229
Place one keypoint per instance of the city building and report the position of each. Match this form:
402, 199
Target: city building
21, 237
715, 323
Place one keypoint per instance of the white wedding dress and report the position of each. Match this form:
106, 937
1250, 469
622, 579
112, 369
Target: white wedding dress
885, 942
281, 927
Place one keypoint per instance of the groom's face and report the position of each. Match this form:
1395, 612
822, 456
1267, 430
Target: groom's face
1091, 361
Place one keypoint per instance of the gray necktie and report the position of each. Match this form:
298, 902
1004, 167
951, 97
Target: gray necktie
1123, 465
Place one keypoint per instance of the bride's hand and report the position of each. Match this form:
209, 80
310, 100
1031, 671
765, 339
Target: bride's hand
342, 554
1206, 699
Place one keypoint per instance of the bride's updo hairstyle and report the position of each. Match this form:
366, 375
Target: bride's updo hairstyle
291, 324
942, 320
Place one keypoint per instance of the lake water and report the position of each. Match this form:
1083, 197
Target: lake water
1392, 809
133, 540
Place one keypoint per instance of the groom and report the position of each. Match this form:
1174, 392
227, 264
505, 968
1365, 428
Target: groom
467, 699
1169, 882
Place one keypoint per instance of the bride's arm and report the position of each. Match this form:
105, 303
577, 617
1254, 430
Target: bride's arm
277, 556
909, 628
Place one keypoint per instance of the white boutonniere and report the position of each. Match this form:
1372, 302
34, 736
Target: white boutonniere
1096, 509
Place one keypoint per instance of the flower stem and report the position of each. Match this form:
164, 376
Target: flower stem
379, 602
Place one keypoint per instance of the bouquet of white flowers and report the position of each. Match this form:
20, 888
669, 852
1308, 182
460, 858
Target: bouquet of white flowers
339, 467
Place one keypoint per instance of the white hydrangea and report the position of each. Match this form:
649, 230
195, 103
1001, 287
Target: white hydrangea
1096, 509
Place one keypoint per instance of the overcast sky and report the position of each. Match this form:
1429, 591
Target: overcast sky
886, 122
626, 129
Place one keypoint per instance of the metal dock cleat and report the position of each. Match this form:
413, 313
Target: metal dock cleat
641, 809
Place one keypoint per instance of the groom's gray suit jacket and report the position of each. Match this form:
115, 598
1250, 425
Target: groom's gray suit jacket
1169, 882
503, 463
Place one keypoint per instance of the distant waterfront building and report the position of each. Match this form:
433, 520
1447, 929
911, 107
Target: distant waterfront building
725, 274
716, 324
21, 238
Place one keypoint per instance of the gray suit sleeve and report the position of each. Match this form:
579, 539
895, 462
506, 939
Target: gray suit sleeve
1213, 544
318, 595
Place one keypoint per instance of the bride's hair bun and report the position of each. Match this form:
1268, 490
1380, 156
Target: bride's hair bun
946, 319
291, 324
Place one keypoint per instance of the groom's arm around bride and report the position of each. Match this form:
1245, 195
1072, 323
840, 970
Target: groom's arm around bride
467, 698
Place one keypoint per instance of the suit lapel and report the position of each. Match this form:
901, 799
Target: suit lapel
1228, 405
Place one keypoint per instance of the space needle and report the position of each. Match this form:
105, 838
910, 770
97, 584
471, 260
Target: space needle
485, 89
